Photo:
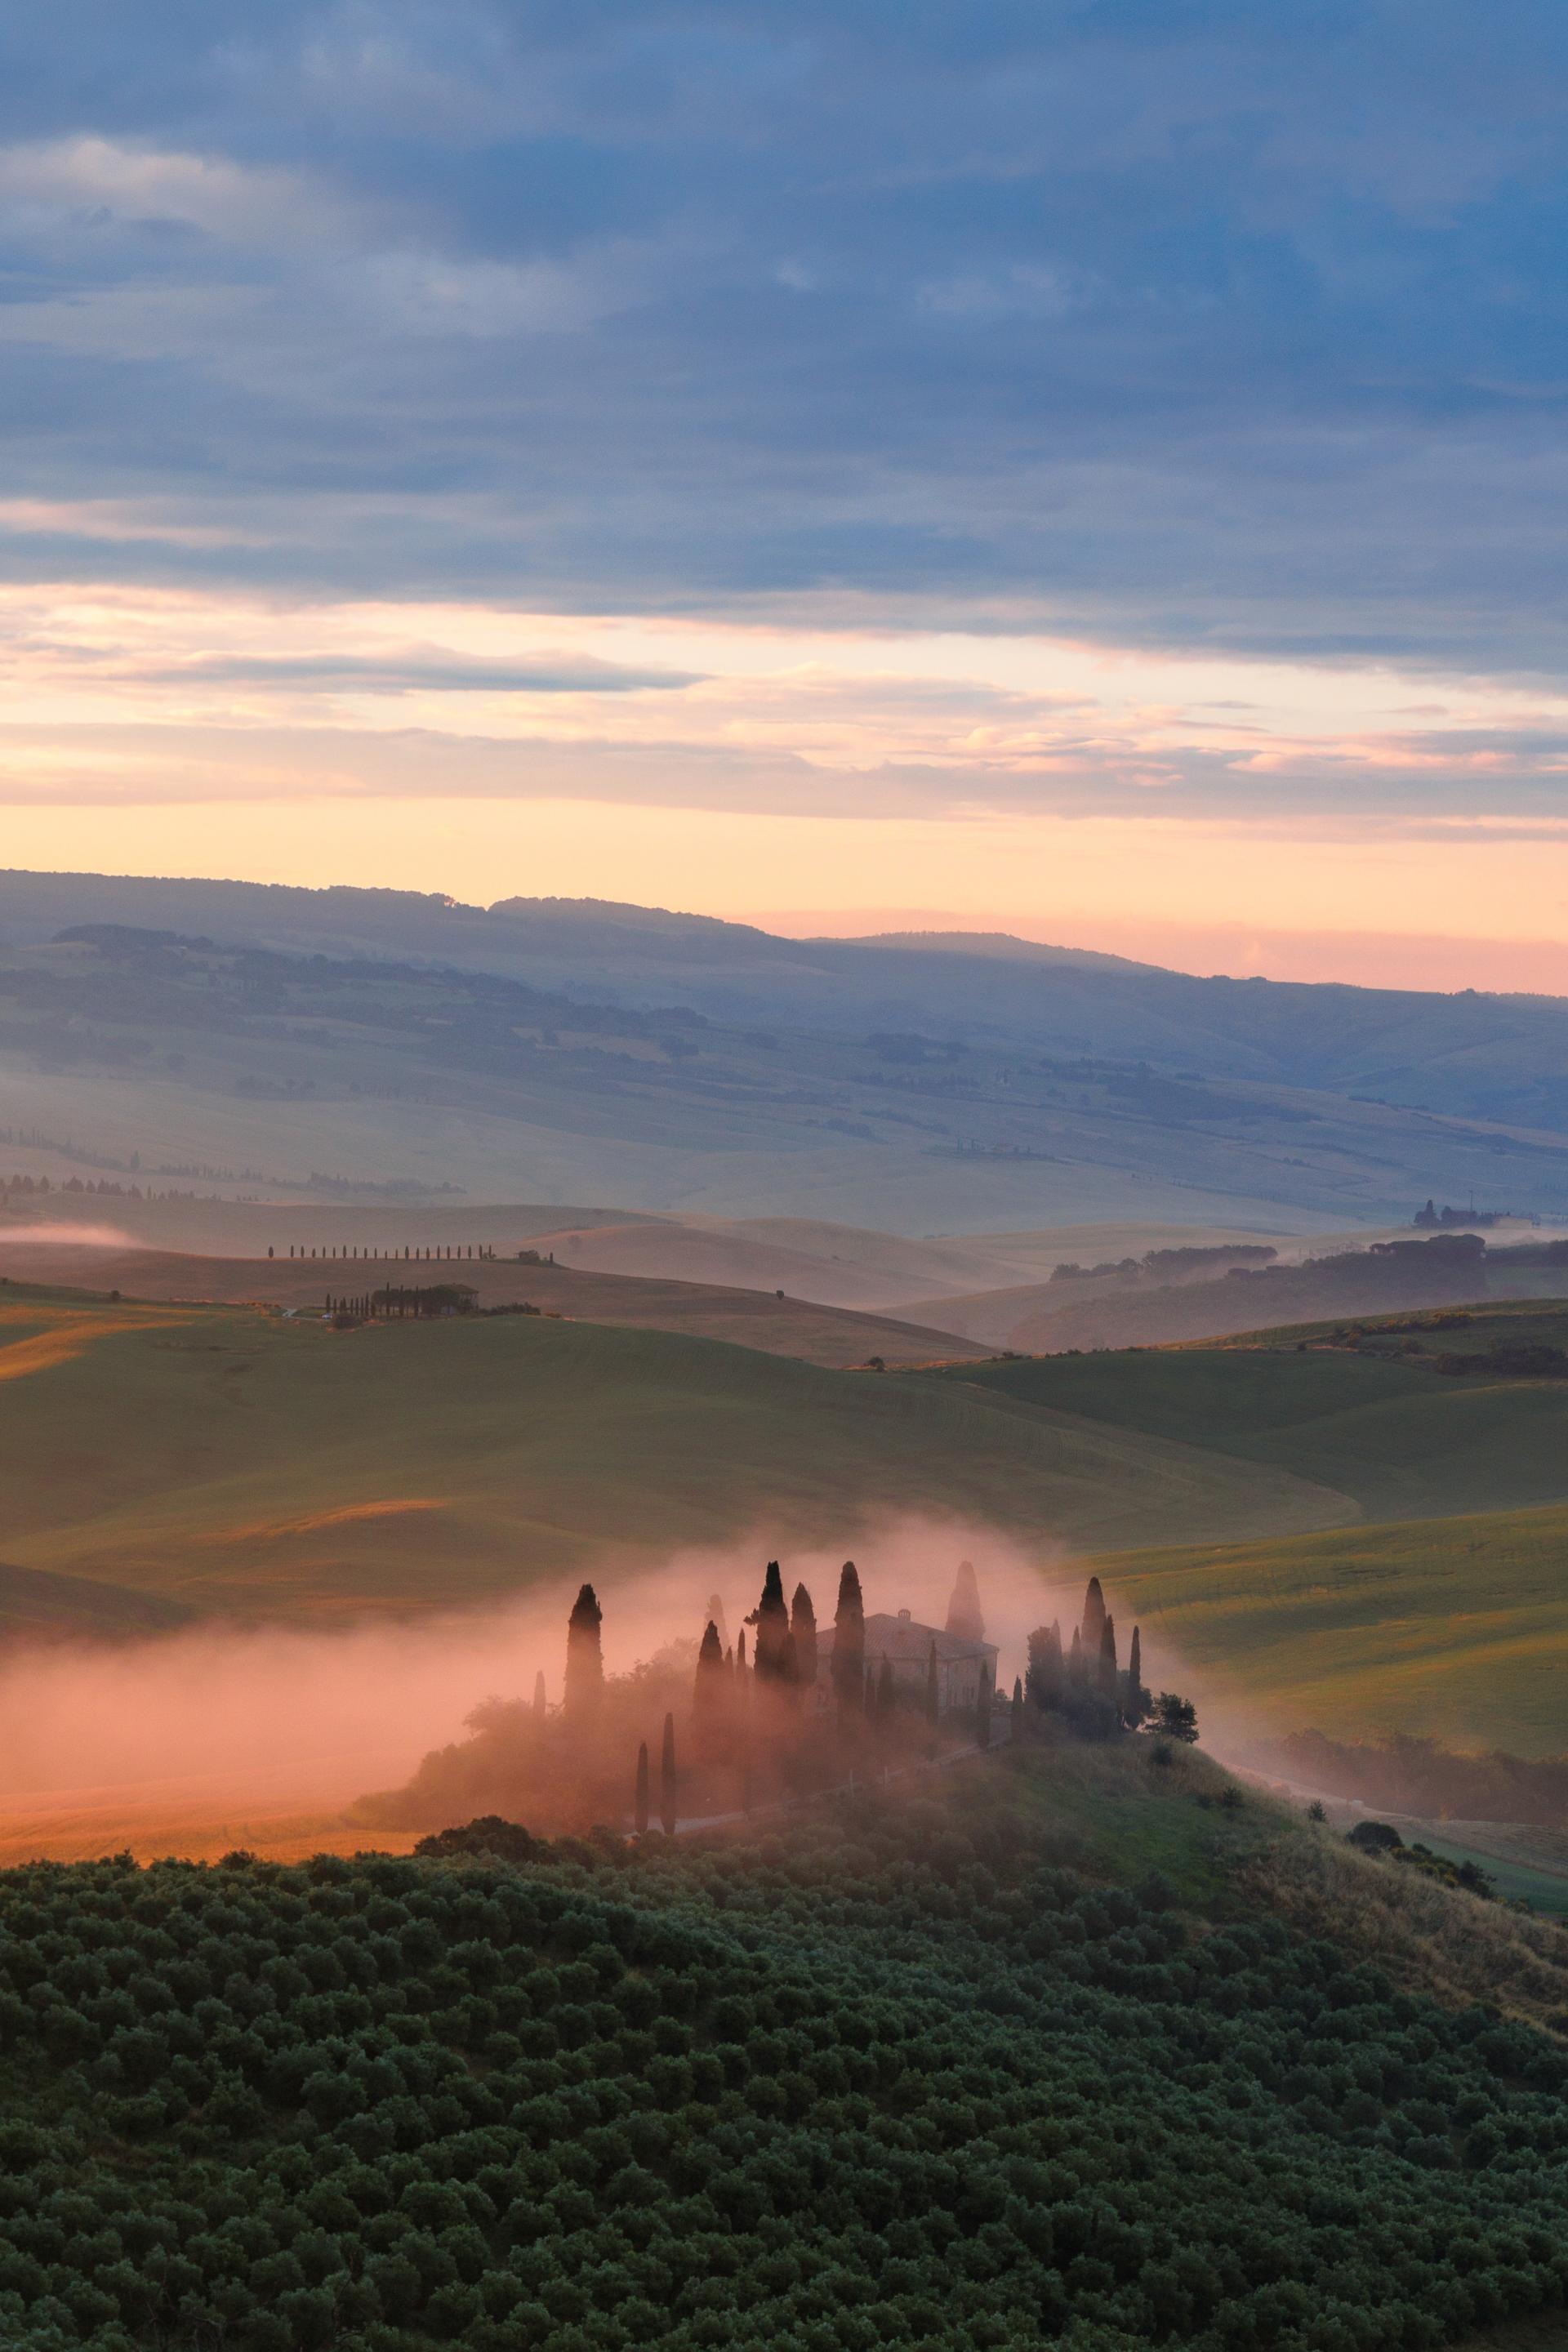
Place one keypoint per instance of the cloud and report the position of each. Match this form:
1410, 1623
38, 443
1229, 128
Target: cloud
433, 673
1227, 330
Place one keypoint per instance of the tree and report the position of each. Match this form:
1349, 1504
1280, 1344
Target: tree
666, 1785
849, 1642
539, 1699
964, 1612
933, 1685
742, 1680
585, 1657
716, 1617
639, 1808
803, 1634
771, 1619
1177, 1718
1109, 1680
1045, 1682
982, 1711
1135, 1700
711, 1694
1016, 1723
1075, 1661
1093, 1618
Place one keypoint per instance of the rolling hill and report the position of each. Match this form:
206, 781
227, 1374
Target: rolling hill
710, 1071
1454, 1629
231, 1461
1447, 1613
751, 1318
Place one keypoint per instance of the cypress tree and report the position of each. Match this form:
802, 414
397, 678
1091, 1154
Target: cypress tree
1017, 1713
983, 1710
539, 1699
1093, 1618
710, 1693
585, 1657
666, 1789
1047, 1678
849, 1643
1109, 1678
933, 1686
772, 1621
743, 1690
716, 1618
1135, 1702
639, 1808
964, 1612
1075, 1661
803, 1634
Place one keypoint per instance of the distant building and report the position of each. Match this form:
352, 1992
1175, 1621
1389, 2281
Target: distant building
907, 1645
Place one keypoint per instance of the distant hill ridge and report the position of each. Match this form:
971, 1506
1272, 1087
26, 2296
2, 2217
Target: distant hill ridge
679, 1062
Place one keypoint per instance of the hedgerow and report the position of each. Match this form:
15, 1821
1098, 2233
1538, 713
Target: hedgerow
883, 2078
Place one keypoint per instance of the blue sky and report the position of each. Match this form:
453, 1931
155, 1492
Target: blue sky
1220, 334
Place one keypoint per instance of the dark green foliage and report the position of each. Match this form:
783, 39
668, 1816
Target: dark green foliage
1176, 1717
885, 2078
1376, 1837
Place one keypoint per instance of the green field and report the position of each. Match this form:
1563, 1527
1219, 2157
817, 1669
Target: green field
1400, 1440
230, 1459
1444, 1612
1457, 1628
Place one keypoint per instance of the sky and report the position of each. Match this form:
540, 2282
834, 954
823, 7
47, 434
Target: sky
1089, 467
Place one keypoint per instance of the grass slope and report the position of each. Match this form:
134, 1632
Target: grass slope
1402, 1441
1449, 1617
230, 1459
1456, 1627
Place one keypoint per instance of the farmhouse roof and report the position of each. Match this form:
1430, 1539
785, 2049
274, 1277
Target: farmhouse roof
905, 1640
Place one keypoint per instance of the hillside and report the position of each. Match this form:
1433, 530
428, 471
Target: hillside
1372, 1419
234, 1460
751, 1318
1031, 2053
1455, 1628
1449, 1619
893, 1103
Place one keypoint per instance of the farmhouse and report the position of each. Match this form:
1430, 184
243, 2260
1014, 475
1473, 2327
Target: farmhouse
906, 1644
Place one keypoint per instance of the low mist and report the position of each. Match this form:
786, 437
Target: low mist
270, 1718
67, 1237
185, 1742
